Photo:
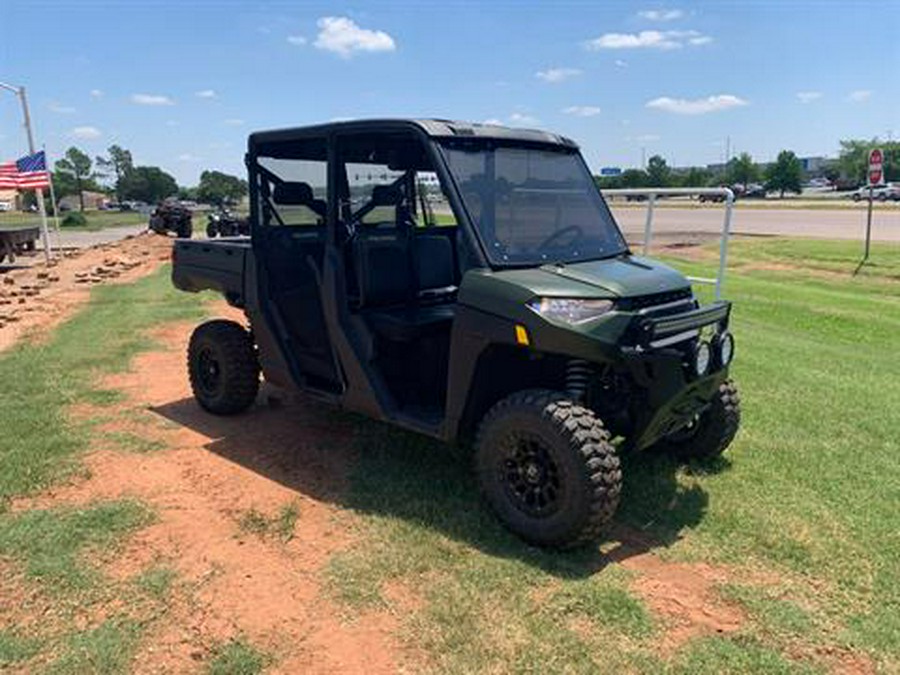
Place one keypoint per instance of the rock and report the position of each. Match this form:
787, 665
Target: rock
43, 275
9, 281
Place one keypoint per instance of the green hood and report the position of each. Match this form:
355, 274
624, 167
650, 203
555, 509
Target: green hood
626, 276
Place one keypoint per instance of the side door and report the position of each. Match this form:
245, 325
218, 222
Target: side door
290, 240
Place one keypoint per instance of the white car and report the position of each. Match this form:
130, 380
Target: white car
881, 193
5, 206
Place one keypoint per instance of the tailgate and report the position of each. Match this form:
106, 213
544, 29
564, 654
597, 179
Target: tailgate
211, 266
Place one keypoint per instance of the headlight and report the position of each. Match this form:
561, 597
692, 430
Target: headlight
726, 349
702, 358
570, 310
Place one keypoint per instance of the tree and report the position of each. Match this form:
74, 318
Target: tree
119, 164
634, 178
786, 174
219, 188
75, 166
658, 172
695, 177
147, 184
741, 169
853, 160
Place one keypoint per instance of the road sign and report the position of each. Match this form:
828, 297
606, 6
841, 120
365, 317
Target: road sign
610, 171
876, 167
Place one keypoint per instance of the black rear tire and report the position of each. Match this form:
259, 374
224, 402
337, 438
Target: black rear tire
185, 230
223, 367
211, 231
547, 469
712, 432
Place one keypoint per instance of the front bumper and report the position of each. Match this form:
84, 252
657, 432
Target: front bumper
658, 360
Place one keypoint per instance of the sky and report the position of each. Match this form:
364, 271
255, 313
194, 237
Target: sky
182, 83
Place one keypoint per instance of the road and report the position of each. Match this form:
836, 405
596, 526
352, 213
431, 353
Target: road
84, 239
828, 224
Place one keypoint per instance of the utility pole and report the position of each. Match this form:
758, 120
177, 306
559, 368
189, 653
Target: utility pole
45, 234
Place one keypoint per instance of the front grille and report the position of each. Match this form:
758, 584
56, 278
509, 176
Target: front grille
640, 302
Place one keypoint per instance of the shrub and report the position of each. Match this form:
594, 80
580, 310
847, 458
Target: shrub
74, 219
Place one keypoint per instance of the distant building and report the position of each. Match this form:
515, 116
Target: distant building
92, 200
10, 200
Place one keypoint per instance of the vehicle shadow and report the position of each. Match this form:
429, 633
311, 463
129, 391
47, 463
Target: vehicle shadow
371, 467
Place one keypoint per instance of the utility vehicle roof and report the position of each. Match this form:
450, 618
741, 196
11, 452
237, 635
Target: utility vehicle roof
435, 128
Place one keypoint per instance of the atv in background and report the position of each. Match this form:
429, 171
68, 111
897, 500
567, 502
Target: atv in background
225, 223
170, 216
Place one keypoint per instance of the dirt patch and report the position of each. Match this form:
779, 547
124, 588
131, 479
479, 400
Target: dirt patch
233, 582
41, 297
684, 595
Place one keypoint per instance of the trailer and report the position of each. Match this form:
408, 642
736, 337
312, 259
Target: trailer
17, 240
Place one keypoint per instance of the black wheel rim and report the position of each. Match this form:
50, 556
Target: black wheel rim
209, 372
529, 475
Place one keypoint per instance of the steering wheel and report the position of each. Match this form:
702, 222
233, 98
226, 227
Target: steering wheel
575, 230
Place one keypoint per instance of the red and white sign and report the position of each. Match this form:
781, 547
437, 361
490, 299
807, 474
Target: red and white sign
876, 167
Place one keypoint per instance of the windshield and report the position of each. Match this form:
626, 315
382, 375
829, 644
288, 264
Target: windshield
533, 205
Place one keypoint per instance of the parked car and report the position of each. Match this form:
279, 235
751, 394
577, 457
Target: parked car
881, 193
754, 191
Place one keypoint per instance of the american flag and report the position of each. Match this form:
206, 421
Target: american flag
27, 173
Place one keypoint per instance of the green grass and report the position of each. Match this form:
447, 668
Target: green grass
96, 220
40, 441
15, 648
281, 525
806, 497
237, 657
56, 551
50, 544
104, 650
156, 581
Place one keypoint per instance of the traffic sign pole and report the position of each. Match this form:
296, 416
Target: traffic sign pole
875, 176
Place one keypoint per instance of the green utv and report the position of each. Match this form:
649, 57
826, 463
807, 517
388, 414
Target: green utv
464, 281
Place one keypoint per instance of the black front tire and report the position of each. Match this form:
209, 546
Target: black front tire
712, 432
185, 230
211, 231
547, 469
223, 367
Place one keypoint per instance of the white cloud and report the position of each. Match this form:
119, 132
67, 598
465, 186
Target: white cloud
85, 133
860, 95
516, 119
96, 93
233, 122
61, 109
808, 96
557, 74
582, 110
649, 39
661, 14
620, 63
297, 40
151, 99
523, 120
699, 106
188, 157
205, 93
342, 36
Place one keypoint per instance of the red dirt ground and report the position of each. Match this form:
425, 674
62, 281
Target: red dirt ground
233, 583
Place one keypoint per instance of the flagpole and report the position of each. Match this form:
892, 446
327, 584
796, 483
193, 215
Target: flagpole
45, 233
52, 200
